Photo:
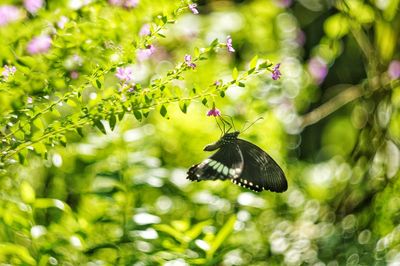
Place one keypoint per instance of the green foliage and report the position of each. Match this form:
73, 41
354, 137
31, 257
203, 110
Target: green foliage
93, 165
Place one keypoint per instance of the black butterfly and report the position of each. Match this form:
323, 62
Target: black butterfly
242, 162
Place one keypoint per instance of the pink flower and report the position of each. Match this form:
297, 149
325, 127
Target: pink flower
131, 3
284, 3
276, 74
124, 73
218, 83
124, 3
143, 54
9, 14
62, 21
394, 69
131, 88
229, 44
188, 61
116, 2
74, 74
40, 44
145, 30
193, 8
214, 112
33, 5
8, 71
318, 69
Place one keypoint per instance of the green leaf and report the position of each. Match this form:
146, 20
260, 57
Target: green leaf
196, 230
253, 62
204, 101
222, 94
196, 52
112, 121
183, 106
163, 111
26, 61
214, 43
80, 131
221, 236
45, 203
241, 84
121, 115
63, 140
38, 124
138, 115
8, 250
100, 126
179, 236
28, 194
235, 74
98, 84
265, 64
40, 148
21, 156
147, 99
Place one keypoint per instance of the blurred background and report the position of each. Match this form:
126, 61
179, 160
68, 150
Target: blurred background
119, 195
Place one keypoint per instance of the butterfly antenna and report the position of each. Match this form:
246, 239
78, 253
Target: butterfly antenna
252, 124
229, 125
222, 132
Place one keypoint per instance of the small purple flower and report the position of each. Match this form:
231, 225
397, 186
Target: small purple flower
33, 5
124, 73
143, 54
29, 100
284, 3
394, 69
131, 88
145, 30
8, 71
193, 8
276, 73
9, 14
229, 44
217, 83
214, 112
318, 69
40, 44
300, 38
74, 74
131, 3
188, 61
116, 2
61, 22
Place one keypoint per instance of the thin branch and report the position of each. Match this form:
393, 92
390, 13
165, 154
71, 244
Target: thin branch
350, 94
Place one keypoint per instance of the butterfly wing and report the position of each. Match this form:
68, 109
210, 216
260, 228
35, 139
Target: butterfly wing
260, 171
226, 163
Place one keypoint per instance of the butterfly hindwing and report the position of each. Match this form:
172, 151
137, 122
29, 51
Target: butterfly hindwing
226, 163
260, 171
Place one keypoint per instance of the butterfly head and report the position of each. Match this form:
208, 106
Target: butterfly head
225, 139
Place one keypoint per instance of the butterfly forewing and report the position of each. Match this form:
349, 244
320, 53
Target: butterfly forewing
243, 163
226, 163
260, 171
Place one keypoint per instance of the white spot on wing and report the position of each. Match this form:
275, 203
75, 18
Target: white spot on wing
212, 163
225, 170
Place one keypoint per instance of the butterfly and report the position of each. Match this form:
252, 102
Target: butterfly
242, 162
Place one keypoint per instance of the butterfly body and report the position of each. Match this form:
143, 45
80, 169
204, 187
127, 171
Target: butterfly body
244, 163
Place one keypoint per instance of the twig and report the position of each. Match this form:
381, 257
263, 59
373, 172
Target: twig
343, 98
